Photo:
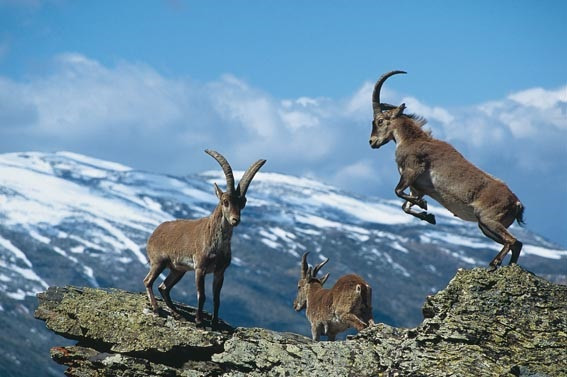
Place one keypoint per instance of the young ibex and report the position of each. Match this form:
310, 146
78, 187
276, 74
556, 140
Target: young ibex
202, 245
331, 311
432, 167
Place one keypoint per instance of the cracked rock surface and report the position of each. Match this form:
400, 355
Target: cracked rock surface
503, 323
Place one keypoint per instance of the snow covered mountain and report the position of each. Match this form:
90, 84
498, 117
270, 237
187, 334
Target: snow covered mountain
71, 219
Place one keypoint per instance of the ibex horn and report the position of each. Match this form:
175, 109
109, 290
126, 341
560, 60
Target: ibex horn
304, 265
225, 168
376, 105
248, 176
318, 267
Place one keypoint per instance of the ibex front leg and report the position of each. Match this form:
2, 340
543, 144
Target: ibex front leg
425, 216
407, 178
415, 198
217, 286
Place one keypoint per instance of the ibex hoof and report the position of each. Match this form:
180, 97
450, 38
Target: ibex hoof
430, 219
492, 267
422, 204
154, 313
215, 323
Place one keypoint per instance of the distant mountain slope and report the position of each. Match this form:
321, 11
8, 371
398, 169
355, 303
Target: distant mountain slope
71, 219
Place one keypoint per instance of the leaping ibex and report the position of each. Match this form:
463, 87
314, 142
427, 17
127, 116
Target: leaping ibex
432, 167
202, 245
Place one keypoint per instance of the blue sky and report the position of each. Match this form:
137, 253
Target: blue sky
152, 83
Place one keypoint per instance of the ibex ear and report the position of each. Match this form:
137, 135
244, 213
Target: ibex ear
218, 191
398, 110
324, 278
242, 202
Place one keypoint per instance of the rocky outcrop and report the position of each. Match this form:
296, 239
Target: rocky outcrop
505, 323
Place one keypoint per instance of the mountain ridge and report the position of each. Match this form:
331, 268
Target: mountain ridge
70, 219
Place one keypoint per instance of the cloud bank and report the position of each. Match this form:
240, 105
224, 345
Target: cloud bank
132, 114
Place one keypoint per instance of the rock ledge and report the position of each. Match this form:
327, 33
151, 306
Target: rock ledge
505, 323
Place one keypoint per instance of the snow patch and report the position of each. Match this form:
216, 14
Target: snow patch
26, 273
39, 237
365, 211
14, 250
107, 165
270, 243
123, 241
397, 246
396, 266
544, 252
455, 239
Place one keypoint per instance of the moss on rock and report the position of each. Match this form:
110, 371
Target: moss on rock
503, 323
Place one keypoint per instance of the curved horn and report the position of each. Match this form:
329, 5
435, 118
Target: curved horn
247, 177
225, 168
304, 265
376, 105
318, 267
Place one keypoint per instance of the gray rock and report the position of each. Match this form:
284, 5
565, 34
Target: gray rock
503, 323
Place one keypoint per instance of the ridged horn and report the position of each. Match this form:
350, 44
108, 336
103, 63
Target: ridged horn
247, 177
318, 267
304, 265
376, 105
225, 168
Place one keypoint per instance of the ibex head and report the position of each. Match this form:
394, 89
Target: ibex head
308, 276
234, 199
385, 115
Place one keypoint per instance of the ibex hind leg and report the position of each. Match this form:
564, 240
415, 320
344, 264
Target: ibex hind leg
516, 248
315, 332
155, 270
165, 287
497, 232
200, 285
354, 321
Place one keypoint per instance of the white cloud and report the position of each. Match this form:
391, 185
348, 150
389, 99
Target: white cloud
540, 98
435, 113
132, 114
132, 109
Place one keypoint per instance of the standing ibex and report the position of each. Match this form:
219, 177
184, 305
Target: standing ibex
202, 245
331, 311
432, 167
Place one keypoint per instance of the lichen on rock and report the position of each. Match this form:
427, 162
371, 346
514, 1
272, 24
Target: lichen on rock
503, 323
